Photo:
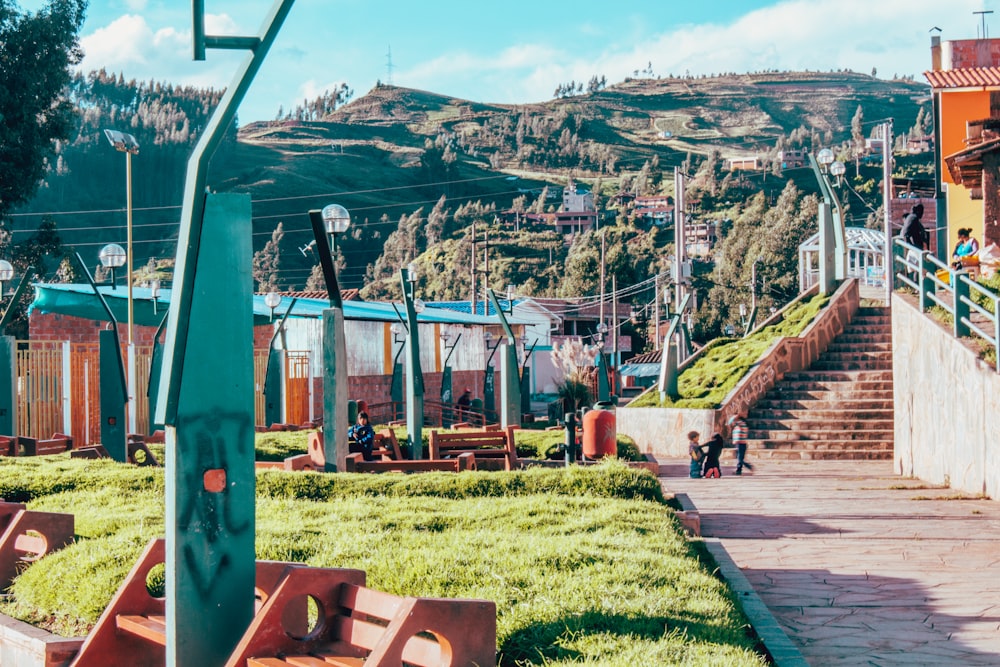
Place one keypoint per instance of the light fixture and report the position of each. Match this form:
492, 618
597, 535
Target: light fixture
336, 219
6, 273
112, 256
825, 156
445, 336
837, 169
154, 292
122, 141
419, 305
411, 272
488, 337
398, 332
271, 300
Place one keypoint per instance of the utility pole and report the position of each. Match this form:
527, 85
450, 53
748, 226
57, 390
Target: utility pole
472, 300
887, 206
602, 276
614, 334
680, 251
656, 312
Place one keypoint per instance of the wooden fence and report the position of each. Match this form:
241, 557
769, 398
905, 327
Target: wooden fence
59, 388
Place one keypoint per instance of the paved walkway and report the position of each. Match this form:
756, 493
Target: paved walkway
859, 566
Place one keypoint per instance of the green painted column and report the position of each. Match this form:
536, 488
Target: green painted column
114, 396
8, 385
210, 445
335, 422
273, 387
603, 386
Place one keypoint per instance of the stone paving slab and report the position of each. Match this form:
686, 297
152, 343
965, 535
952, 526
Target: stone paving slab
858, 565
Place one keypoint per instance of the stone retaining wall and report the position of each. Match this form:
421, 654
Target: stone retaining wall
946, 404
23, 645
662, 432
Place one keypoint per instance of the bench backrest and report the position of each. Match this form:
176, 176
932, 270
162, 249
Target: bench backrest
480, 443
381, 628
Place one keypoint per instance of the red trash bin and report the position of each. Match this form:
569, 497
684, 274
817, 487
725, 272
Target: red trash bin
599, 434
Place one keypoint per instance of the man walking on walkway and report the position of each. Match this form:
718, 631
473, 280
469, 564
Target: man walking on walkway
738, 434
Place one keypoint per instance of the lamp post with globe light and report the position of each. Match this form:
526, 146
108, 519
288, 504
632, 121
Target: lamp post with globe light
414, 375
832, 236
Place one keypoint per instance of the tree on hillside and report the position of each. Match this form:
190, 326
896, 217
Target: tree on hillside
770, 234
858, 135
267, 261
38, 51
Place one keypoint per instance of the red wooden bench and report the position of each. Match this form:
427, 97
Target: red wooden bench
386, 449
9, 445
359, 626
27, 535
357, 463
132, 630
356, 625
482, 444
57, 444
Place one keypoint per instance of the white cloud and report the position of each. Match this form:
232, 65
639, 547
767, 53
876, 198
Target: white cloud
890, 35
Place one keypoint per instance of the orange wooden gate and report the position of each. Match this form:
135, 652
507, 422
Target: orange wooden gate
259, 375
297, 387
39, 388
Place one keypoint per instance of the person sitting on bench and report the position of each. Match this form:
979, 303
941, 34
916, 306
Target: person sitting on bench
362, 436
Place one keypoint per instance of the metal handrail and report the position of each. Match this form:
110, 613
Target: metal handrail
919, 271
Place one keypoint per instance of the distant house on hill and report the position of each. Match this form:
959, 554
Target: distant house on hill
743, 163
792, 159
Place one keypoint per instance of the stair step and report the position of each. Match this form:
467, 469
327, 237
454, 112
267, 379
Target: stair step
821, 455
837, 365
857, 354
841, 416
809, 404
819, 445
858, 436
823, 375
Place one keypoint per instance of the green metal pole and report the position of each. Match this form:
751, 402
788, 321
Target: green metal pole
210, 451
414, 375
206, 394
8, 361
335, 422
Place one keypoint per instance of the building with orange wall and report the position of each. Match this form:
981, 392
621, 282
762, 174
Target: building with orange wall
965, 83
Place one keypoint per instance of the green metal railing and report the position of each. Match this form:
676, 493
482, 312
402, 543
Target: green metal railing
959, 295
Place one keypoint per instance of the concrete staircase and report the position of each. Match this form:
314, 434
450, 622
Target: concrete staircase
840, 408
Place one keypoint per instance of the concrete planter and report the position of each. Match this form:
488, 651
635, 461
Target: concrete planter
23, 645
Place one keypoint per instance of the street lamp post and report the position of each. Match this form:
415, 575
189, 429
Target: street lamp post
124, 142
271, 300
336, 219
112, 256
414, 375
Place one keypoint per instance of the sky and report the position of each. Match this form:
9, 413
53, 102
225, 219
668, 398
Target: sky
516, 51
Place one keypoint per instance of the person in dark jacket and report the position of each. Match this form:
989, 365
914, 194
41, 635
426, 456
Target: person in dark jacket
363, 436
913, 231
712, 466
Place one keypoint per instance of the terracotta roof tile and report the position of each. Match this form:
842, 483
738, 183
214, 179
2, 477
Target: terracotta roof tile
970, 77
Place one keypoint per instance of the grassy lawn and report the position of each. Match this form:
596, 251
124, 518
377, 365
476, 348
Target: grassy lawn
586, 565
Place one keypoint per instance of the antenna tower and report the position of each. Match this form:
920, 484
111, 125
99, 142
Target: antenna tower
982, 16
388, 65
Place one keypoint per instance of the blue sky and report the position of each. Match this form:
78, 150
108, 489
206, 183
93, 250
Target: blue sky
517, 51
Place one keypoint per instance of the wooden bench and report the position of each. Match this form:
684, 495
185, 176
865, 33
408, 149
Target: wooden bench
57, 444
27, 535
386, 449
357, 463
9, 445
359, 626
482, 444
132, 630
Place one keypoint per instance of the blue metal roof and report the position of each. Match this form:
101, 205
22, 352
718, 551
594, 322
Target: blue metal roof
482, 307
78, 300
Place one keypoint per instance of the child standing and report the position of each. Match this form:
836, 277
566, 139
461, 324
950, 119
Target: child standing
696, 453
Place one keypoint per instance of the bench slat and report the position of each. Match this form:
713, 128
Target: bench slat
266, 662
339, 660
313, 661
151, 628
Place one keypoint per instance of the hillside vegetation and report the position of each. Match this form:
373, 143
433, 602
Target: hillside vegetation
417, 169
